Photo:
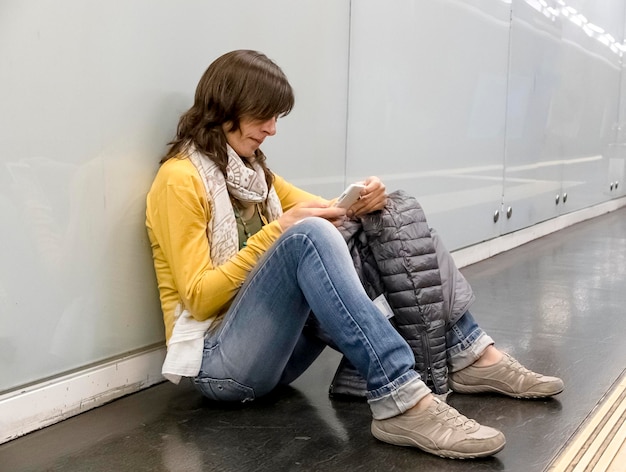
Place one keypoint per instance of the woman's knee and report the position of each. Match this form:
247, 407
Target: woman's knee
317, 230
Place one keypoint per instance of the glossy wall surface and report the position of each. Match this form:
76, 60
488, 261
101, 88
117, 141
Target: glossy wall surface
90, 94
564, 107
484, 109
473, 106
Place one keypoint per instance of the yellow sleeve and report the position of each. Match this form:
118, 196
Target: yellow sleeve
177, 218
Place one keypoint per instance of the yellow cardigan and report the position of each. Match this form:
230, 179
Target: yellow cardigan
177, 215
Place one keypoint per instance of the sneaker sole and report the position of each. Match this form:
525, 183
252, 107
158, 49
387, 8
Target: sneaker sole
460, 388
399, 440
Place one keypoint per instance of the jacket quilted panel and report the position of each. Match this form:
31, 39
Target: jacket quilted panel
396, 254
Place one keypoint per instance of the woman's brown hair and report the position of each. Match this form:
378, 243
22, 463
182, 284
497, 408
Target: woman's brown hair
239, 83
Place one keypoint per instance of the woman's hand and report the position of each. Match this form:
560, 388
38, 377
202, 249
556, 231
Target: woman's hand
373, 198
313, 208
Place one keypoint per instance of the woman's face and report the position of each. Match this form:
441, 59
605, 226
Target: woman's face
250, 135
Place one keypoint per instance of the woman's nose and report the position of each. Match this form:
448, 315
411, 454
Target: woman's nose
269, 126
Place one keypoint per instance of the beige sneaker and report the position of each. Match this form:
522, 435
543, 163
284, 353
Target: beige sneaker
440, 430
508, 377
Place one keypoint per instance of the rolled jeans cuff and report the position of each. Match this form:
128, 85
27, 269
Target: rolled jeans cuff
397, 397
461, 358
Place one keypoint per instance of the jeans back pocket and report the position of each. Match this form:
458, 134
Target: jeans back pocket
226, 390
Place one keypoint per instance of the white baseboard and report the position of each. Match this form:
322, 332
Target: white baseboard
34, 407
46, 403
472, 254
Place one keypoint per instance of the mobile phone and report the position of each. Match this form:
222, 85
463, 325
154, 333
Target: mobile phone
349, 196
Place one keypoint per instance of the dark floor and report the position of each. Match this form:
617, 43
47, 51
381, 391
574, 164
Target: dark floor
557, 304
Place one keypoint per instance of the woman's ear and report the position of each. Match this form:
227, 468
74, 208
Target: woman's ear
227, 126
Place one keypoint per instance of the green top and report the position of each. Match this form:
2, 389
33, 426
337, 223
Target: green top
248, 227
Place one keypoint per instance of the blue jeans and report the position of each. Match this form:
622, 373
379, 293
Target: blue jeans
465, 342
307, 269
263, 341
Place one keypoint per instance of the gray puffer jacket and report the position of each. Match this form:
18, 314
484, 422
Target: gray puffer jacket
396, 254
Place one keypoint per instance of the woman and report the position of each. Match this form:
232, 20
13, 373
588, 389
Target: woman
242, 258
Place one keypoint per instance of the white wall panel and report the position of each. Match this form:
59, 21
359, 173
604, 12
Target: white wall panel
617, 149
90, 94
563, 106
427, 106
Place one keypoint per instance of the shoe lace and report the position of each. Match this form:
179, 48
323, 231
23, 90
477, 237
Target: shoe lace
453, 417
514, 364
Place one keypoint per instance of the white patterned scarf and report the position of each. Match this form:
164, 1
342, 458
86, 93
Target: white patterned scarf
244, 184
185, 346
